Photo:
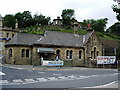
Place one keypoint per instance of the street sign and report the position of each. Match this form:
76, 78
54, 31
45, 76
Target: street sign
52, 63
106, 59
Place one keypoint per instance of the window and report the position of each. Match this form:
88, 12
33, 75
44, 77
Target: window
1, 35
23, 53
94, 52
71, 52
7, 35
10, 53
80, 54
12, 35
67, 54
58, 53
97, 53
27, 53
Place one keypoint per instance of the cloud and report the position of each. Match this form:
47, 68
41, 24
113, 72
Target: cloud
84, 9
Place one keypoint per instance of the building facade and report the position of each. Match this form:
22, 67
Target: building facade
5, 35
29, 48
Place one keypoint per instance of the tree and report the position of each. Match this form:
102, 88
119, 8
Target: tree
97, 25
9, 21
68, 16
27, 19
114, 28
19, 18
117, 11
41, 20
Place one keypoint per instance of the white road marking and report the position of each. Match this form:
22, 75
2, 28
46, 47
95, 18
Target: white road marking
3, 81
17, 80
62, 77
57, 74
52, 78
20, 68
1, 73
42, 72
29, 80
72, 76
41, 79
103, 86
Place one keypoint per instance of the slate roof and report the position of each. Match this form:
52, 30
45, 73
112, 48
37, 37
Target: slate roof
61, 39
23, 39
54, 38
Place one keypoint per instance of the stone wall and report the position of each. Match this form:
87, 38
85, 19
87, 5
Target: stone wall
93, 45
16, 55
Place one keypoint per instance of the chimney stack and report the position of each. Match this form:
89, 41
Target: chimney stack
1, 22
75, 27
16, 24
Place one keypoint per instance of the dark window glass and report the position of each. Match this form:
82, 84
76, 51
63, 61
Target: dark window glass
80, 54
67, 54
10, 53
27, 53
71, 52
58, 54
23, 53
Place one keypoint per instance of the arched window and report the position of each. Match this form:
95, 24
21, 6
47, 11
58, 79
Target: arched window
58, 53
97, 53
94, 52
71, 52
27, 53
23, 53
67, 54
10, 53
80, 54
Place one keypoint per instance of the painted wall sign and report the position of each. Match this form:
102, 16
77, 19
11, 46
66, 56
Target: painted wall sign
52, 63
106, 59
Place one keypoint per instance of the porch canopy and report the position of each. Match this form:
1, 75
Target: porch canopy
46, 50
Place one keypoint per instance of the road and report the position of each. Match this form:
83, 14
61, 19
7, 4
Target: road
75, 78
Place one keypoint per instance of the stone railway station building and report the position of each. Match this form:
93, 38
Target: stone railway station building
27, 49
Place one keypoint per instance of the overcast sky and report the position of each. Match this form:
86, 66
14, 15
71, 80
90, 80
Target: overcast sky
84, 9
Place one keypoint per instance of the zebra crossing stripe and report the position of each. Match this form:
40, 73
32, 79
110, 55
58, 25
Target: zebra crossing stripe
41, 79
17, 80
72, 76
1, 73
52, 78
3, 81
62, 77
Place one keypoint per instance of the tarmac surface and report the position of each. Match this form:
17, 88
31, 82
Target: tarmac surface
31, 67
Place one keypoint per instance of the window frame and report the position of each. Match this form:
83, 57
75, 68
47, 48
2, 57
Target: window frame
67, 55
23, 53
71, 54
58, 53
10, 52
80, 55
27, 54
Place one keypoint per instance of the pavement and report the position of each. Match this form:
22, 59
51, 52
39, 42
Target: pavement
31, 67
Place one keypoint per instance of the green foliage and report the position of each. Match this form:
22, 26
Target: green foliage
97, 25
117, 11
108, 36
68, 16
9, 21
41, 20
25, 19
115, 28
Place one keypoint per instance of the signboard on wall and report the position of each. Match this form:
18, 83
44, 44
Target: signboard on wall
52, 63
106, 59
